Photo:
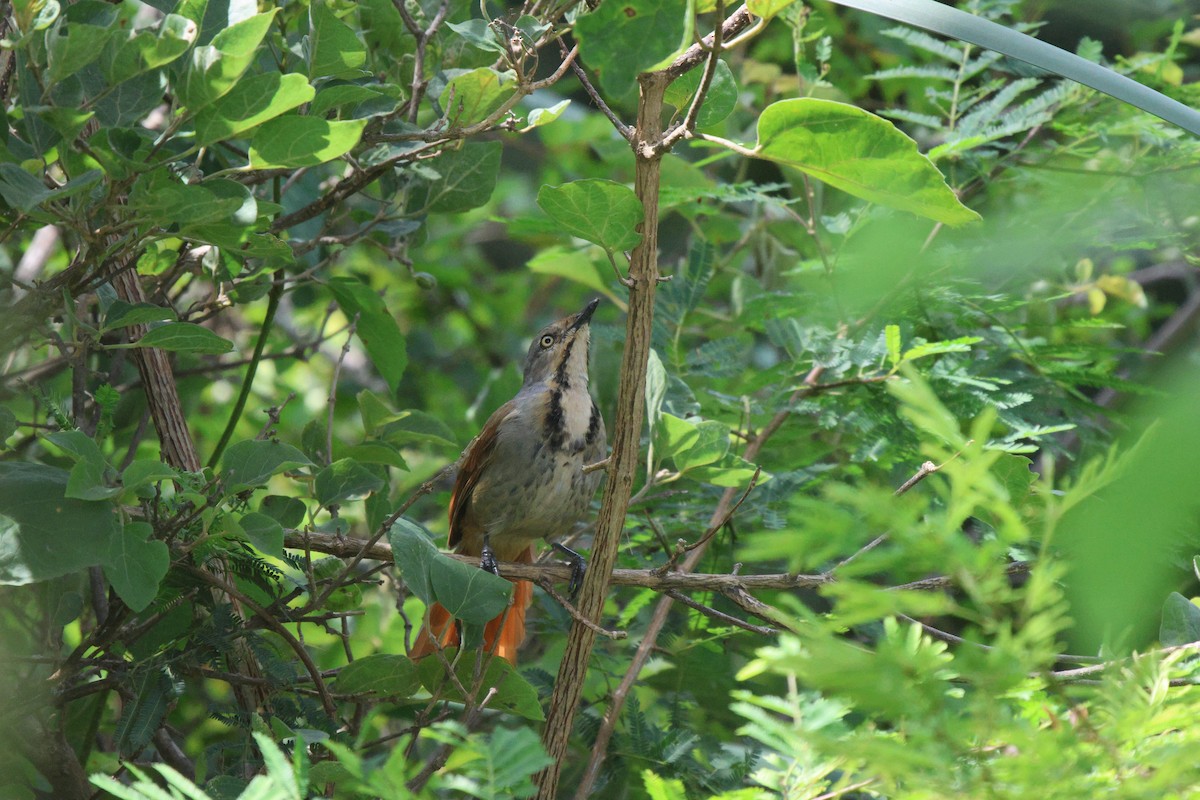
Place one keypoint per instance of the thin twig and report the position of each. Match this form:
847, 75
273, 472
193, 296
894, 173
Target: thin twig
719, 615
549, 589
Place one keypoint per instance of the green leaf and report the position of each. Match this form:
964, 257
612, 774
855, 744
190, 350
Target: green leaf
619, 40
959, 345
469, 593
376, 327
409, 426
136, 564
71, 46
343, 480
480, 34
181, 337
603, 212
377, 452
334, 49
145, 50
767, 8
891, 335
570, 263
251, 463
414, 555
159, 197
710, 445
718, 104
730, 471
251, 103
471, 95
122, 315
513, 694
296, 141
381, 675
43, 533
465, 179
154, 691
949, 21
264, 532
215, 68
287, 511
859, 153
659, 788
8, 424
675, 435
544, 116
1180, 621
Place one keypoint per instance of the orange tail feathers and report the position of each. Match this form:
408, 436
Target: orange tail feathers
503, 634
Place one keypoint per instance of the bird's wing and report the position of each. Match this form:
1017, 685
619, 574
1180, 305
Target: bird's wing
475, 460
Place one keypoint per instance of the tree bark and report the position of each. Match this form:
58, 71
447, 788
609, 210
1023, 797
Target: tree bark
643, 276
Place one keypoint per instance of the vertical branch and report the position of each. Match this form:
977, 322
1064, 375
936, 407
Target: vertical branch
643, 277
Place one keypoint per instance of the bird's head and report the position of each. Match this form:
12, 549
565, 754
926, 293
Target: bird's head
559, 352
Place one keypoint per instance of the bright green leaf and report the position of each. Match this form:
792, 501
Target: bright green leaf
859, 153
249, 104
604, 212
296, 141
334, 49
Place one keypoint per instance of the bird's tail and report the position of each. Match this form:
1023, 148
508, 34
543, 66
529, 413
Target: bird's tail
503, 635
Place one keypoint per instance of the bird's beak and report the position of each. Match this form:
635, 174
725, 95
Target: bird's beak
584, 317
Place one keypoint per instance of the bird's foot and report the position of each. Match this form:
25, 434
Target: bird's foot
487, 559
578, 567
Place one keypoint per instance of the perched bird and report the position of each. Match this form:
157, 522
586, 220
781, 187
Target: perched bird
522, 478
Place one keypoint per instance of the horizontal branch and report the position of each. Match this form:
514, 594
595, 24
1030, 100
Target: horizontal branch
644, 578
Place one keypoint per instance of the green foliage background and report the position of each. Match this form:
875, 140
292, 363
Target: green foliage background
347, 219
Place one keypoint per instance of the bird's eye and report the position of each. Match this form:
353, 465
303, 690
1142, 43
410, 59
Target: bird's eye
547, 340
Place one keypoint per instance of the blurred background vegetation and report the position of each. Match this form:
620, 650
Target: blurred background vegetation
1043, 359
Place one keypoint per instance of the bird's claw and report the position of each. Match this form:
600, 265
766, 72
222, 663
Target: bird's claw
487, 559
578, 568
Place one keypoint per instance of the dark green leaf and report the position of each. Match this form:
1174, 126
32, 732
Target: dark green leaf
466, 178
620, 40
287, 511
144, 472
1180, 621
514, 694
471, 594
8, 424
381, 675
250, 463
264, 532
136, 564
121, 314
182, 337
343, 480
46, 534
375, 327
414, 555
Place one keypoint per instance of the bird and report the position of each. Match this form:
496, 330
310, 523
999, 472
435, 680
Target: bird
522, 479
